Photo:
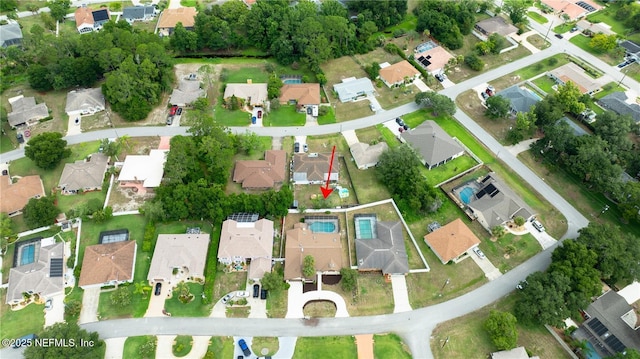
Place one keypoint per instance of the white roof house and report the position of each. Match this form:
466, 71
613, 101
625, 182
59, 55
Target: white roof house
84, 102
350, 89
182, 251
145, 169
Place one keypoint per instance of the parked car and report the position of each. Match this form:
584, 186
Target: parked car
20, 138
406, 128
296, 147
158, 288
244, 347
263, 293
226, 298
400, 129
439, 77
169, 121
478, 252
559, 36
399, 121
48, 305
573, 29
256, 290
179, 112
521, 285
484, 95
537, 225
173, 110
305, 148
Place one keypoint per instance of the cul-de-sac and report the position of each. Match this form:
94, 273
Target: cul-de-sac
314, 179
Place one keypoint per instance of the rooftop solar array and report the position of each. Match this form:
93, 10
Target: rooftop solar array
615, 344
433, 226
193, 230
55, 267
424, 61
490, 189
586, 6
597, 326
118, 235
244, 217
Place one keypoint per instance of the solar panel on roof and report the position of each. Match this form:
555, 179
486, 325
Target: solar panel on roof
614, 343
55, 267
597, 326
244, 217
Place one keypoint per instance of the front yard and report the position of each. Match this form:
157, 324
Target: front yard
286, 115
583, 42
21, 322
194, 308
325, 347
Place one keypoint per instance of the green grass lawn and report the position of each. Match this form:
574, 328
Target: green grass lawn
510, 250
325, 347
133, 345
388, 136
255, 74
607, 15
189, 3
583, 43
389, 346
270, 343
194, 308
330, 117
230, 118
182, 345
537, 17
222, 347
65, 203
545, 84
541, 67
6, 144
286, 115
562, 28
607, 89
443, 172
21, 322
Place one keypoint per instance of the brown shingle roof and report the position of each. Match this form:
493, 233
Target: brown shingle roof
83, 15
104, 263
397, 72
262, 173
325, 248
313, 167
171, 17
452, 240
15, 196
304, 94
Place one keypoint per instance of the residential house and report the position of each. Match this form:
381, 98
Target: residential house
515, 353
613, 325
571, 9
88, 20
305, 96
434, 59
381, 247
42, 275
495, 25
434, 146
494, 203
262, 174
16, 195
181, 255
325, 248
10, 34
398, 73
366, 155
351, 89
24, 110
247, 243
590, 29
132, 14
252, 94
577, 130
521, 98
143, 172
574, 73
84, 175
313, 168
632, 49
187, 92
84, 102
169, 18
108, 264
619, 103
452, 242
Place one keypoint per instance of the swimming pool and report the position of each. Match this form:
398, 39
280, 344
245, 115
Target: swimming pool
27, 254
592, 353
323, 227
466, 194
425, 46
292, 81
365, 227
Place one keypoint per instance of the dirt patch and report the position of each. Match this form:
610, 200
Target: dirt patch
125, 199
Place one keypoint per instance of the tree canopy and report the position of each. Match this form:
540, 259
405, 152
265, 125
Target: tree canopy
436, 102
47, 149
497, 106
68, 332
40, 212
501, 327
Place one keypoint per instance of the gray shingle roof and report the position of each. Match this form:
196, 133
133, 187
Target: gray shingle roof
386, 253
616, 102
432, 143
349, 90
10, 34
366, 155
81, 174
35, 277
521, 99
630, 46
609, 309
25, 109
84, 99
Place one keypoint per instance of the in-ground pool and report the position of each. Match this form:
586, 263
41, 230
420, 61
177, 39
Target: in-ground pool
365, 227
592, 353
292, 81
322, 224
466, 194
27, 254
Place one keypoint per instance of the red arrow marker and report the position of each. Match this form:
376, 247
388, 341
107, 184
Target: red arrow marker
326, 191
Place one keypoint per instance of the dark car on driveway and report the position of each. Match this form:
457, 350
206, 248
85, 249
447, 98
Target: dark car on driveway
263, 294
245, 348
179, 112
158, 288
296, 147
399, 121
256, 290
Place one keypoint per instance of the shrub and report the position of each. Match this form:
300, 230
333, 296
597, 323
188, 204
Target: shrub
474, 62
552, 61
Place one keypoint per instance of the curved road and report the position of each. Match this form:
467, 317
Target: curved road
415, 326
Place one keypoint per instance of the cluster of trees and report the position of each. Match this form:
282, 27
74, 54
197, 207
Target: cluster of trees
399, 169
136, 65
67, 331
447, 21
502, 330
436, 102
601, 251
629, 13
517, 11
47, 149
196, 174
304, 32
493, 45
40, 212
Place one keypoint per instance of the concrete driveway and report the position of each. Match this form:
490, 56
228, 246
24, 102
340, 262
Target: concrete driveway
56, 314
490, 271
421, 85
302, 140
351, 137
156, 302
543, 238
89, 311
115, 347
400, 294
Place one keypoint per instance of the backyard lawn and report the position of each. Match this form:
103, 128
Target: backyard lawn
467, 337
195, 308
389, 346
545, 84
325, 347
286, 115
22, 322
